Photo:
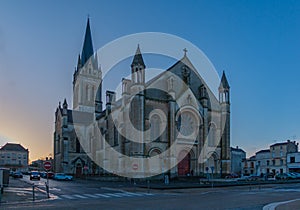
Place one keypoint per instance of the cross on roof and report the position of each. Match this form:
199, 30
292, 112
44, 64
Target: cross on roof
185, 51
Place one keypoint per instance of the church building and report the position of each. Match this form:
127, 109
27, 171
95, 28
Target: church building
172, 124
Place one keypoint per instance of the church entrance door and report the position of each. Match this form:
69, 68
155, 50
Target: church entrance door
184, 165
78, 171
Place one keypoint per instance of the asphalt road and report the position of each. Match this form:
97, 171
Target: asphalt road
97, 195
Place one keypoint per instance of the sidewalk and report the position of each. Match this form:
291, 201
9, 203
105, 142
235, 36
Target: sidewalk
19, 191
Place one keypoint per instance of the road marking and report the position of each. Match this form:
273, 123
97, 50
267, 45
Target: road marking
137, 194
67, 196
272, 206
79, 196
91, 196
114, 195
104, 195
124, 194
146, 193
101, 195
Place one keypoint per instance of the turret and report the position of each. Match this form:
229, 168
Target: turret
138, 67
224, 88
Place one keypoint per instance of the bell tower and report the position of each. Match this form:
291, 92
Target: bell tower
87, 81
224, 99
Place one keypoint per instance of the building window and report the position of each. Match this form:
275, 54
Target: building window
273, 162
268, 162
155, 130
292, 159
281, 162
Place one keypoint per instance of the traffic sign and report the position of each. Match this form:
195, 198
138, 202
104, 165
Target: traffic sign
135, 166
47, 165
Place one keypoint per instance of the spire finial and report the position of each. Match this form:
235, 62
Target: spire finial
185, 51
87, 49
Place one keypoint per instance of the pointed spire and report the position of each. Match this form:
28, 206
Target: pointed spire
79, 62
138, 58
65, 104
224, 83
87, 50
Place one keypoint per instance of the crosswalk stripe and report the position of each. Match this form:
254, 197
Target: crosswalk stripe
147, 193
113, 194
67, 196
91, 196
137, 194
79, 196
124, 194
104, 195
101, 195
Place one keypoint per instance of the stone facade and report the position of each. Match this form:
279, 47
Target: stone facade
237, 156
86, 135
14, 156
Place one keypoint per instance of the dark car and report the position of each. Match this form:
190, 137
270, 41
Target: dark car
232, 176
35, 175
17, 175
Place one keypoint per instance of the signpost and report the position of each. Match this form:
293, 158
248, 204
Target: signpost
47, 167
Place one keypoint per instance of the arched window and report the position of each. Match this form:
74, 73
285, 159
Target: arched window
86, 93
155, 129
212, 137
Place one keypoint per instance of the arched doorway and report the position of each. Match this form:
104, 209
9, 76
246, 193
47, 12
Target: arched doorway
78, 170
185, 163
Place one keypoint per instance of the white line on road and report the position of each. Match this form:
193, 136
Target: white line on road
67, 196
114, 195
272, 206
91, 196
101, 195
79, 196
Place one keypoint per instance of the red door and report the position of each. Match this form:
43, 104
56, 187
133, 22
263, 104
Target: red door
78, 171
184, 164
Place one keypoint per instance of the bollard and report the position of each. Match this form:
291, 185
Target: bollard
33, 196
148, 186
1, 188
134, 183
47, 189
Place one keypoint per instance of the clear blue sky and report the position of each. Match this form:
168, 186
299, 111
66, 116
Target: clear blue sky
255, 42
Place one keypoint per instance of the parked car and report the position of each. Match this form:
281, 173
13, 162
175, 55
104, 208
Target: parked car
232, 176
50, 175
295, 175
284, 176
45, 174
35, 175
62, 176
253, 178
17, 174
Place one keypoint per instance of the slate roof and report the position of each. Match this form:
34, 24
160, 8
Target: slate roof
138, 58
224, 83
237, 149
13, 147
87, 50
263, 151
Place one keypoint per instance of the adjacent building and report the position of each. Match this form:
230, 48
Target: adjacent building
14, 156
275, 160
263, 158
78, 143
293, 162
249, 166
237, 156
